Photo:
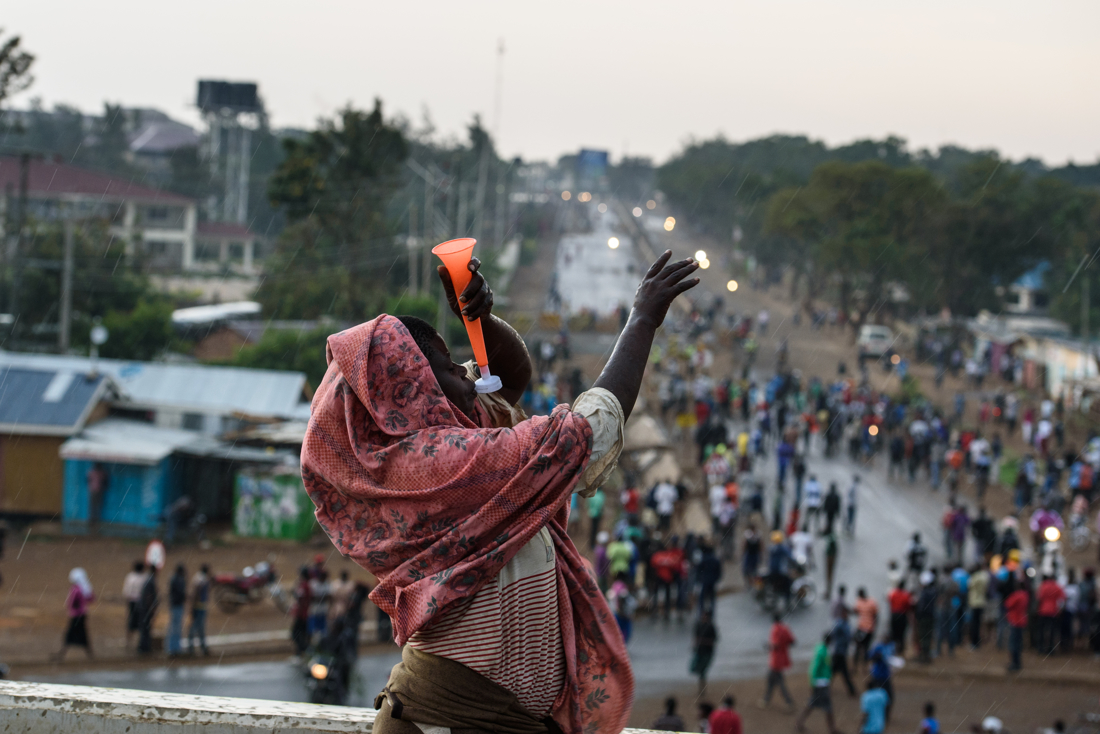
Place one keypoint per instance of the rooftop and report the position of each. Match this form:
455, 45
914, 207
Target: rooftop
48, 178
48, 402
186, 387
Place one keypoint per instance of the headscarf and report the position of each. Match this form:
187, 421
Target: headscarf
79, 577
434, 505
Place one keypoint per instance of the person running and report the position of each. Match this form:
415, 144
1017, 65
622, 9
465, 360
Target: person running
841, 641
704, 639
780, 641
200, 601
81, 595
820, 680
866, 623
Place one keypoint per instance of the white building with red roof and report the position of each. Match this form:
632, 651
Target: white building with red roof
161, 226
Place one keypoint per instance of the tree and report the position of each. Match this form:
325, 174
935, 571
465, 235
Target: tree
284, 349
334, 187
142, 334
15, 68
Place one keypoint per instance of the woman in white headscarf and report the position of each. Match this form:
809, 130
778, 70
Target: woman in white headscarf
80, 597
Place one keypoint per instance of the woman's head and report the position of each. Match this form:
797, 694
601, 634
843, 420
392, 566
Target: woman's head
452, 378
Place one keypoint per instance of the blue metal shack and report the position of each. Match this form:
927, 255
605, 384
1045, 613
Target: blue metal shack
142, 475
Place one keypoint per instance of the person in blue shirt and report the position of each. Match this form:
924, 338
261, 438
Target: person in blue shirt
928, 724
873, 704
881, 673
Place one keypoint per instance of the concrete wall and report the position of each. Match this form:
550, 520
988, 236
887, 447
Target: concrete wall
36, 708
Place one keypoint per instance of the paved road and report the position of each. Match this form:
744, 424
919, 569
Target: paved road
888, 514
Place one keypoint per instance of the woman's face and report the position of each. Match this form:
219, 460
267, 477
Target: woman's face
451, 377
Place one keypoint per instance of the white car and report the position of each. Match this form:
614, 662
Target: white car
875, 340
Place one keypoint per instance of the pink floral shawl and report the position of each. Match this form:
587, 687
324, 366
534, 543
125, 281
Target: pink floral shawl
412, 490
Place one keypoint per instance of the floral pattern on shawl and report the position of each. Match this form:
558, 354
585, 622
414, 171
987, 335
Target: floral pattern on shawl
434, 505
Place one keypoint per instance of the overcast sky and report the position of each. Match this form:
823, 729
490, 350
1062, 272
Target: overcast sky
635, 77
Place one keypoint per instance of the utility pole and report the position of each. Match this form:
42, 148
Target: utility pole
21, 224
413, 247
66, 289
1085, 310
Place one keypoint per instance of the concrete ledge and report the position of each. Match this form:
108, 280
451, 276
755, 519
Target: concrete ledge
39, 708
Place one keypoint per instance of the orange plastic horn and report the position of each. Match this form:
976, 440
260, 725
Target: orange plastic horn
455, 255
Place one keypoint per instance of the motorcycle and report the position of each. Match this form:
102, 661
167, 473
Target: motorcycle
328, 671
803, 591
253, 585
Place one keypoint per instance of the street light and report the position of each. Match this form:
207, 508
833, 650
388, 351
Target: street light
613, 243
700, 255
651, 205
731, 286
669, 224
637, 211
566, 196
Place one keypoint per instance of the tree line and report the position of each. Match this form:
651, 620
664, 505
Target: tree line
855, 223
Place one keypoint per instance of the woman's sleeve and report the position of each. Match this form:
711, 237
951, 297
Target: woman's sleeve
604, 414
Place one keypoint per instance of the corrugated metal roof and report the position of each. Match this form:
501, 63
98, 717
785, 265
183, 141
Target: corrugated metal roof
186, 387
46, 401
119, 441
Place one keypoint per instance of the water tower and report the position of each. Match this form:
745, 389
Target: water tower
232, 110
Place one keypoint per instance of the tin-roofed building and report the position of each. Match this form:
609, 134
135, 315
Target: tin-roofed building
40, 407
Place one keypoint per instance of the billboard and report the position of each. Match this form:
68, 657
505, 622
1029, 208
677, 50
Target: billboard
215, 96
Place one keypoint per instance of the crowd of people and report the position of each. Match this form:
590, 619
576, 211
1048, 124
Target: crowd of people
989, 589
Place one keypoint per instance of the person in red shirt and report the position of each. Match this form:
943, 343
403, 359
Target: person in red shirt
779, 643
630, 501
668, 565
725, 720
901, 604
1016, 604
1051, 600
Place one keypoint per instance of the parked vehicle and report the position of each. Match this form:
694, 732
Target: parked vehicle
874, 340
253, 585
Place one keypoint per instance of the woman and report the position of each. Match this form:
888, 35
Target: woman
76, 605
457, 503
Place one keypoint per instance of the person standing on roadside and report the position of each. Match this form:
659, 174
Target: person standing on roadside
131, 592
1016, 604
177, 598
200, 600
901, 605
779, 644
866, 610
150, 600
977, 597
831, 507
